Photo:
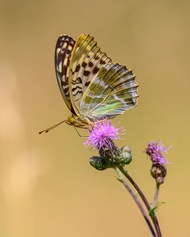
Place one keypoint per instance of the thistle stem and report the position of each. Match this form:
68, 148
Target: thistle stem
121, 178
156, 194
153, 217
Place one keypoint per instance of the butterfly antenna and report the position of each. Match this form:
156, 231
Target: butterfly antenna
52, 127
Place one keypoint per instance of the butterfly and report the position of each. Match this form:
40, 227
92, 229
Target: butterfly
92, 87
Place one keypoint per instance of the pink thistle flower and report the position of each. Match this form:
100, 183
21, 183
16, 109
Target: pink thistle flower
102, 134
155, 150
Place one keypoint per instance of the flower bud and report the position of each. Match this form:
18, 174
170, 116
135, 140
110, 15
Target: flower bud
158, 172
125, 156
99, 163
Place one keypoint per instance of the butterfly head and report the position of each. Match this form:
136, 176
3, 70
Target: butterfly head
79, 122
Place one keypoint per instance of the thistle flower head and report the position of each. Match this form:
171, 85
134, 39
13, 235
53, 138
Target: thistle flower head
102, 134
155, 150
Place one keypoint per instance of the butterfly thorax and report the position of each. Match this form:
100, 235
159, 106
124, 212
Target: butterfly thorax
79, 122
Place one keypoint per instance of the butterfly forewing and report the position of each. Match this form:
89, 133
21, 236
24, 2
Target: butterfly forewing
86, 61
63, 51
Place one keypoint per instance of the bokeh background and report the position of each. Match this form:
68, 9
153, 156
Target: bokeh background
47, 187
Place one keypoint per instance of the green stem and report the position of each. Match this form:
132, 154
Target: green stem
155, 203
153, 217
121, 178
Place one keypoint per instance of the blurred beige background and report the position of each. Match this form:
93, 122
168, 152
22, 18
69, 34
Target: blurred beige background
47, 187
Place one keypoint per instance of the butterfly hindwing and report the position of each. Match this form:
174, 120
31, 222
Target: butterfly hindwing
110, 93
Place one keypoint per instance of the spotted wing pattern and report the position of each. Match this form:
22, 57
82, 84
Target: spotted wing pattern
63, 51
86, 61
110, 93
91, 85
